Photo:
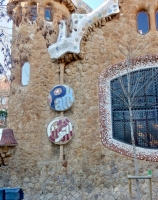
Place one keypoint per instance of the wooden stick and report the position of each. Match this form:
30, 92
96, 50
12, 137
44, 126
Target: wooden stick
61, 152
62, 65
139, 177
149, 177
150, 188
61, 146
62, 73
130, 188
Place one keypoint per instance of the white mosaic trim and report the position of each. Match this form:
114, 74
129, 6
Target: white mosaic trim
105, 108
80, 23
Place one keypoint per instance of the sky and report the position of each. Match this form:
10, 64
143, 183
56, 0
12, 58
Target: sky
94, 3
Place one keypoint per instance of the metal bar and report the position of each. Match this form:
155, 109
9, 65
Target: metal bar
150, 188
139, 177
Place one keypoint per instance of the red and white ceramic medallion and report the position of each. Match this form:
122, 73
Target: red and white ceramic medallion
60, 130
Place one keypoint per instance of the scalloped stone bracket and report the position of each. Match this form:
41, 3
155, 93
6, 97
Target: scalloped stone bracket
79, 24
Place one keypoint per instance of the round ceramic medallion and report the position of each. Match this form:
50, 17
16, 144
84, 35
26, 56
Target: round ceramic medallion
61, 98
60, 130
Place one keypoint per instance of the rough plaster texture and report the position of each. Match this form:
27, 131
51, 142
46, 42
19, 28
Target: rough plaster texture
90, 170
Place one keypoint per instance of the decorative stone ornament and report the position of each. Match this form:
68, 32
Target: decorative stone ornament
61, 98
60, 130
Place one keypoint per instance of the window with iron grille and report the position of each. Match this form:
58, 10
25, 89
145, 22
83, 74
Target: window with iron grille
144, 97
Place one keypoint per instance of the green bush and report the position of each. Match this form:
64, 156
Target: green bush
3, 113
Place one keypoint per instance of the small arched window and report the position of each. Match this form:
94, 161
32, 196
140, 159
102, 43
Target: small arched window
157, 20
33, 12
142, 22
25, 74
48, 13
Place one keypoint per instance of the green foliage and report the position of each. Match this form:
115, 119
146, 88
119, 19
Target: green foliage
3, 113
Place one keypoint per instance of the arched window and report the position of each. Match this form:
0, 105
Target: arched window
142, 22
33, 12
25, 74
157, 20
144, 100
48, 13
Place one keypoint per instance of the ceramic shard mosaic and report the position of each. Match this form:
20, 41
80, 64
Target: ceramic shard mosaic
60, 130
61, 98
110, 73
80, 23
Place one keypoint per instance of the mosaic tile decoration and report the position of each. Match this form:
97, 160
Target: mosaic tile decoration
61, 98
7, 138
80, 23
107, 75
60, 130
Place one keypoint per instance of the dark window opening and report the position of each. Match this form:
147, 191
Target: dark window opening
142, 22
33, 12
48, 13
144, 96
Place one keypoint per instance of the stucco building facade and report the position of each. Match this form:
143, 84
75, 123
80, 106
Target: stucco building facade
94, 165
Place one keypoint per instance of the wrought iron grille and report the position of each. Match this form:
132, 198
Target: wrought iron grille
142, 89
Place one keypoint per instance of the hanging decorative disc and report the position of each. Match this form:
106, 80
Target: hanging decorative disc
61, 98
60, 130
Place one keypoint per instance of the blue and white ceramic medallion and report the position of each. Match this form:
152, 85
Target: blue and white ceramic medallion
61, 98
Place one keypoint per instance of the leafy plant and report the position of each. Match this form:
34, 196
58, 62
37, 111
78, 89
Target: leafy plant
3, 113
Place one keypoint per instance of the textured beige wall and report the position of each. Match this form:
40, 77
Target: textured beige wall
90, 171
